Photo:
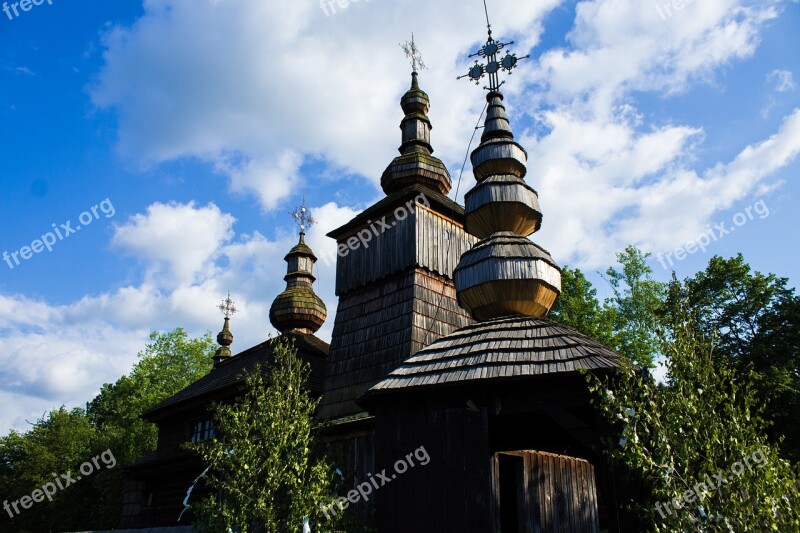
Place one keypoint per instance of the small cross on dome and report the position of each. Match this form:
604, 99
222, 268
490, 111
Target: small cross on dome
413, 53
227, 307
302, 216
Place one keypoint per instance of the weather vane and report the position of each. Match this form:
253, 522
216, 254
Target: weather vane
303, 217
227, 307
412, 53
493, 65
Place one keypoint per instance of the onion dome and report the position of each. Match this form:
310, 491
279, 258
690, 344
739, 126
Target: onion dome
298, 308
225, 337
415, 164
504, 273
501, 200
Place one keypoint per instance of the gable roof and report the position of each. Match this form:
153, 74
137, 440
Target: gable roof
228, 374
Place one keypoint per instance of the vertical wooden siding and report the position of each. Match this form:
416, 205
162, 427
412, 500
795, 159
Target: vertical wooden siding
452, 492
554, 493
423, 238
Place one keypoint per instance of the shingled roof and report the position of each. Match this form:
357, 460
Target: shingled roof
228, 373
500, 349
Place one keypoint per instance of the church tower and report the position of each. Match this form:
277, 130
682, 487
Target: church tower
499, 405
394, 272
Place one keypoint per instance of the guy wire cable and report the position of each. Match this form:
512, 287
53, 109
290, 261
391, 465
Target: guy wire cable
458, 186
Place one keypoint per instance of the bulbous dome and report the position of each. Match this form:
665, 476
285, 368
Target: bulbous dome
298, 308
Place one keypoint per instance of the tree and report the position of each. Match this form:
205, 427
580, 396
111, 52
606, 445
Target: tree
697, 441
627, 321
756, 320
63, 439
169, 363
267, 470
578, 307
56, 444
634, 307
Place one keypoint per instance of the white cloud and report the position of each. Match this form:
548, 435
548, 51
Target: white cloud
605, 175
782, 80
176, 237
255, 87
605, 186
54, 354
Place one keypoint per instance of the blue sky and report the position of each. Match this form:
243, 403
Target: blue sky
193, 127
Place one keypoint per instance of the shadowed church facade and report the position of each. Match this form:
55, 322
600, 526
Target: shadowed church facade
441, 343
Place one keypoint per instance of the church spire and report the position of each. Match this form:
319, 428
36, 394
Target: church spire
225, 337
298, 308
415, 164
505, 273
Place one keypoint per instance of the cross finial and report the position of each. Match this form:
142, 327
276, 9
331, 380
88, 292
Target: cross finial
227, 307
303, 217
413, 53
493, 65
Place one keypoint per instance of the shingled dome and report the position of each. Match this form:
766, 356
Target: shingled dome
298, 308
501, 349
416, 164
505, 273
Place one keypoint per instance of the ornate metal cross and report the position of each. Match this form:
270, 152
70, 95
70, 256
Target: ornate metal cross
493, 65
227, 307
303, 217
412, 53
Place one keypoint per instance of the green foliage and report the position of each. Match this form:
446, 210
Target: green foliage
634, 307
56, 444
701, 424
63, 439
579, 308
267, 471
756, 319
169, 363
627, 321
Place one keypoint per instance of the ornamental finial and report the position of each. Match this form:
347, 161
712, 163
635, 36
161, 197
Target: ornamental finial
227, 307
302, 216
492, 65
225, 337
413, 53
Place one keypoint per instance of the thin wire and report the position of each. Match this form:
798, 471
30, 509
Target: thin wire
486, 10
458, 186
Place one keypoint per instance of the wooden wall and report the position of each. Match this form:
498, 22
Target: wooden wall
422, 238
539, 492
452, 491
379, 327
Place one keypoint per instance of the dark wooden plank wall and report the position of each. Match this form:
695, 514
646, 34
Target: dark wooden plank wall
156, 498
440, 242
371, 336
387, 253
355, 455
423, 238
452, 492
396, 295
379, 327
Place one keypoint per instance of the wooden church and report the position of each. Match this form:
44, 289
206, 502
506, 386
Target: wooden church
440, 343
